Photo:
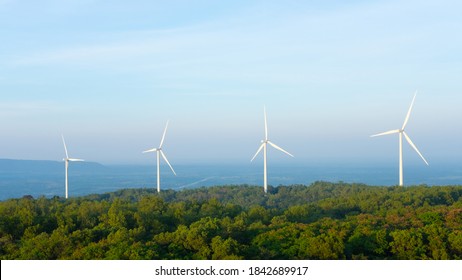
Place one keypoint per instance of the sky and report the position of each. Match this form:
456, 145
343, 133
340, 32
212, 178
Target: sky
109, 74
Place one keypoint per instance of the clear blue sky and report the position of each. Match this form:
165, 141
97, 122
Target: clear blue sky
109, 74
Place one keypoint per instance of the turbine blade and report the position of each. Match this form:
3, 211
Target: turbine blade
65, 148
266, 123
409, 112
259, 149
163, 136
150, 151
413, 146
166, 160
386, 133
279, 148
75, 159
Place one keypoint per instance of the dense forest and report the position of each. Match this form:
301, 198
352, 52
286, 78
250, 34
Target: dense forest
320, 221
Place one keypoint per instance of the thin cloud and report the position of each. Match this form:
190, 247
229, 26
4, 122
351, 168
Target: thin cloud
10, 109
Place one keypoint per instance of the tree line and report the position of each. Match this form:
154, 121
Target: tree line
320, 221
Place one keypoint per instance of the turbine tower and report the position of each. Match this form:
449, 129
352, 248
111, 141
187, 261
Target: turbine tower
66, 165
401, 132
159, 153
264, 147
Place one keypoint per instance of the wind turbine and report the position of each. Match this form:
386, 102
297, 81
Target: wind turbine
263, 146
159, 153
66, 164
401, 132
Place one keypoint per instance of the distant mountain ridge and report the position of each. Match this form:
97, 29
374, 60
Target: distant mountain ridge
49, 166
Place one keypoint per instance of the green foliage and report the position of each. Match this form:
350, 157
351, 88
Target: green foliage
321, 221
408, 244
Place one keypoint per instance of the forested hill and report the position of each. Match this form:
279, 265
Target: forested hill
320, 221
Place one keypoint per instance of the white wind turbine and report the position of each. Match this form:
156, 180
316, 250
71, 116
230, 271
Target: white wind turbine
401, 132
159, 153
66, 164
263, 146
